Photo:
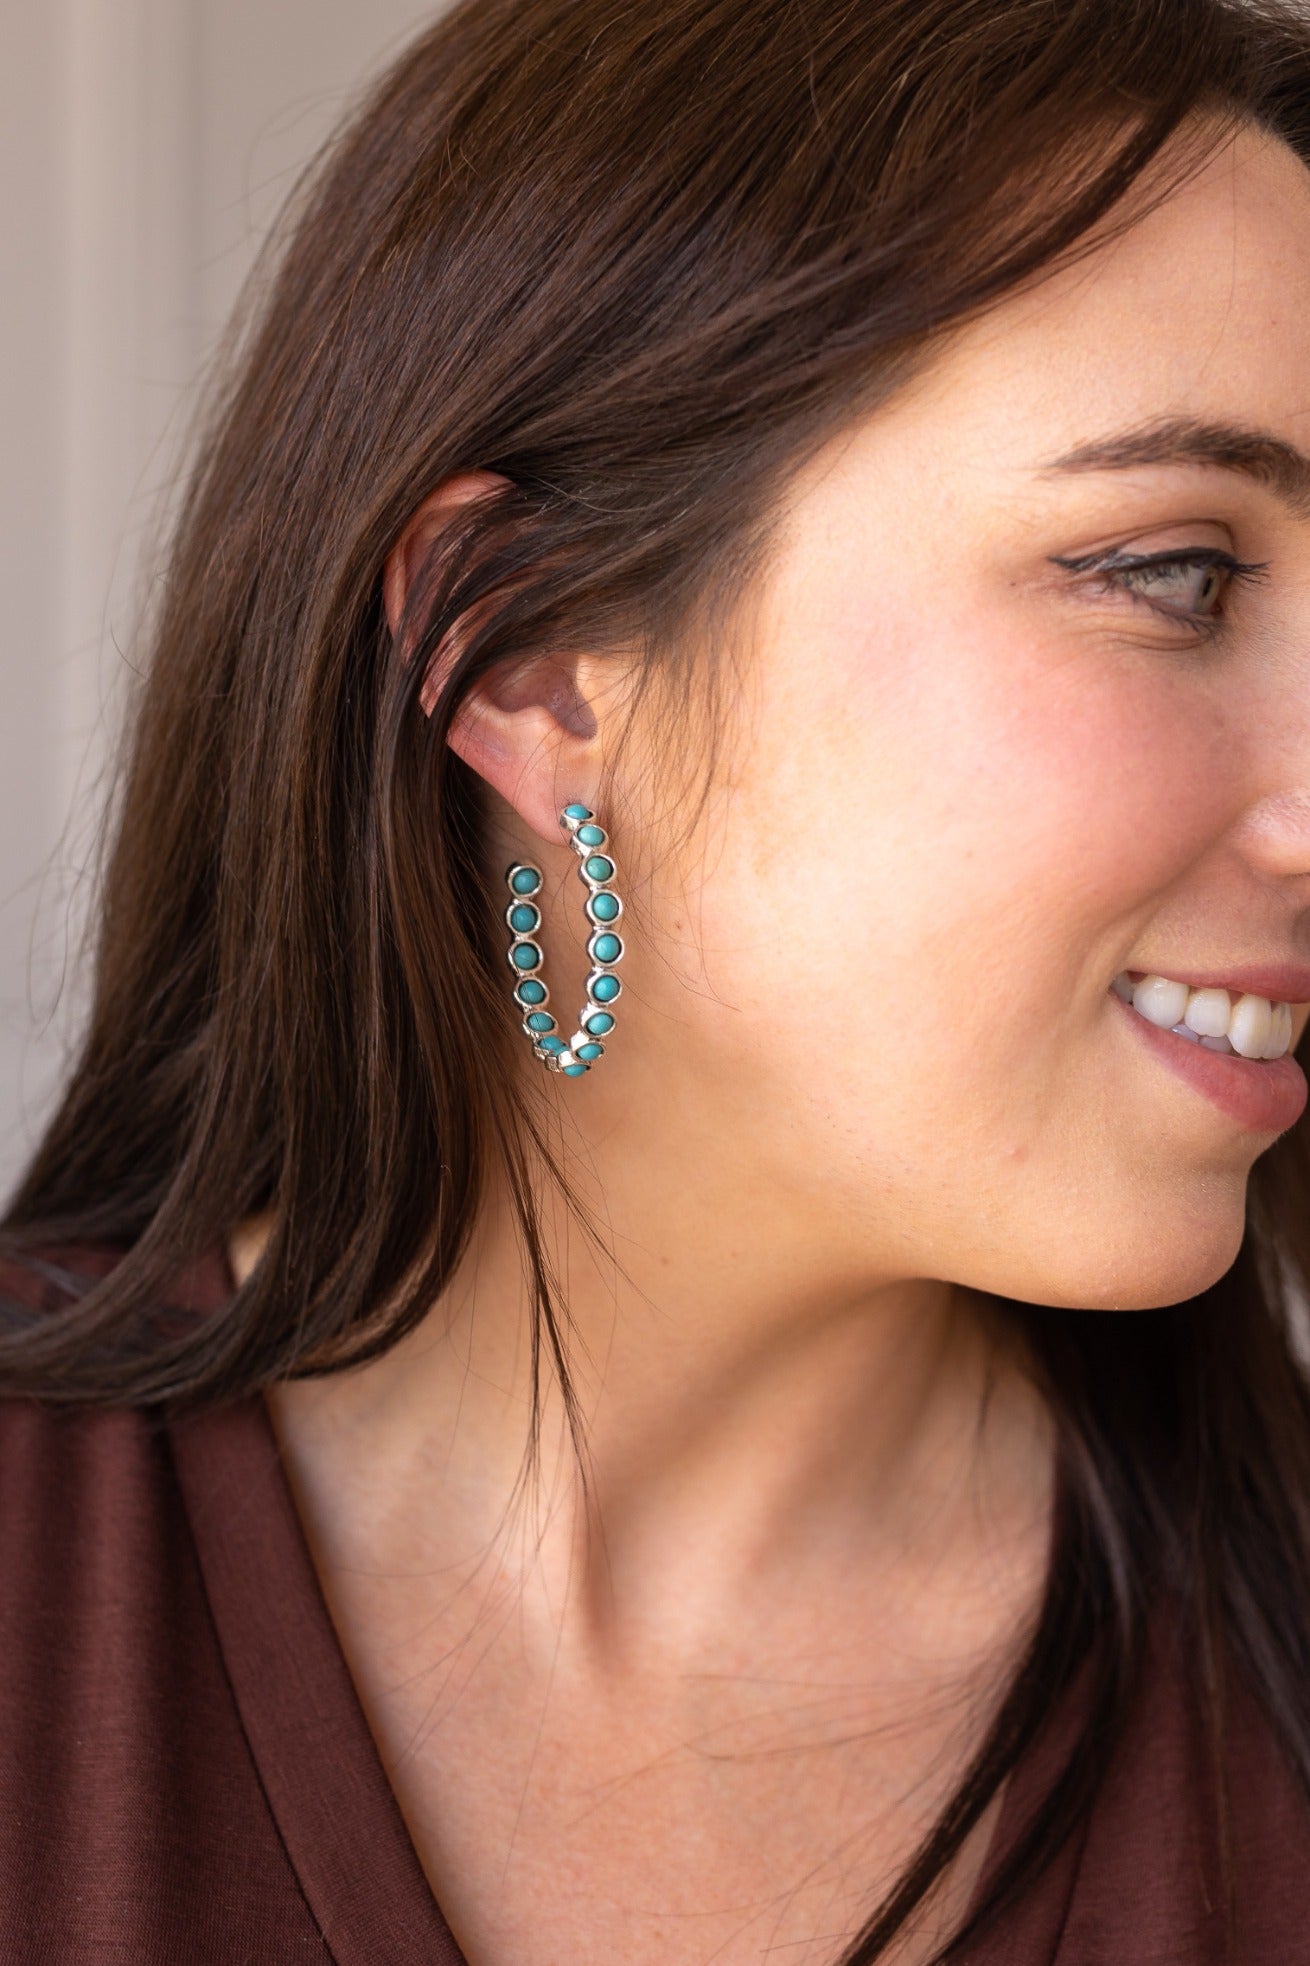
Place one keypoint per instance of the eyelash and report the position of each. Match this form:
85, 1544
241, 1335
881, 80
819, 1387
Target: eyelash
1110, 565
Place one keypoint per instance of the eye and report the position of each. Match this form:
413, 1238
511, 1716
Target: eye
1196, 589
1188, 586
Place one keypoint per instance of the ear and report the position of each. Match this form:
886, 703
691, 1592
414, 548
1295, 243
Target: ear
531, 732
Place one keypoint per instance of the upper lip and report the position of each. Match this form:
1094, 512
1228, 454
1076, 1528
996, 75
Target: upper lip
1281, 982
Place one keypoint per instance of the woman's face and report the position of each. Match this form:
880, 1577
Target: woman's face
971, 786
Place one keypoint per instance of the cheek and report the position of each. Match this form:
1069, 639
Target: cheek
940, 854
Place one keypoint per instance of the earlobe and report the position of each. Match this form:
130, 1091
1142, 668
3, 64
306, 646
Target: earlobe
531, 733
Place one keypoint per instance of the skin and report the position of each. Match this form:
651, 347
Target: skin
866, 1071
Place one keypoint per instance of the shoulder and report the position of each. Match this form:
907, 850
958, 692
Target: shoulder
94, 1540
83, 1488
94, 1534
128, 1794
1265, 1813
70, 1472
1185, 1814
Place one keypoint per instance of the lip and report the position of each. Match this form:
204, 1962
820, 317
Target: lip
1280, 982
1260, 1095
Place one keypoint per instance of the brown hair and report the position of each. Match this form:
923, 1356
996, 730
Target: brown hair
642, 261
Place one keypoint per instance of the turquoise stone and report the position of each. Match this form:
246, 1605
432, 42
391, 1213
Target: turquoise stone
605, 989
598, 867
531, 991
592, 835
541, 1020
552, 1044
598, 1023
572, 1071
606, 948
577, 812
589, 1051
604, 907
526, 881
527, 955
524, 918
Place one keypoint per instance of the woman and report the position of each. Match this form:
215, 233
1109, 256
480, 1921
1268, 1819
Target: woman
811, 1456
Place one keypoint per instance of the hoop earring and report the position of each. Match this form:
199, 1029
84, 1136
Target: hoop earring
603, 909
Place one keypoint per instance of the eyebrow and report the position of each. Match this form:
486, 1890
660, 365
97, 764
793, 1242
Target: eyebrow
1256, 454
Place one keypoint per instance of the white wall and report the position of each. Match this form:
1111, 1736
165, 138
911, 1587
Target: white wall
144, 147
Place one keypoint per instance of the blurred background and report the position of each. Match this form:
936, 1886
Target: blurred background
146, 147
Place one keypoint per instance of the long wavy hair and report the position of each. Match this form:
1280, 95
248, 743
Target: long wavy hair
641, 262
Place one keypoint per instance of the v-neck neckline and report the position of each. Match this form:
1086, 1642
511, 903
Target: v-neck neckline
317, 1759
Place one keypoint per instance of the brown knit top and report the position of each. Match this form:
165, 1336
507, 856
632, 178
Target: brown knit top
187, 1777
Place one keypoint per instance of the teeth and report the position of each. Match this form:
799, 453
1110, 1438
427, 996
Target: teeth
1280, 1035
1208, 1012
1162, 1002
1250, 1026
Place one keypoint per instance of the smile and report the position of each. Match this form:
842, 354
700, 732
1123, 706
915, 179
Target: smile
1251, 1027
1233, 1047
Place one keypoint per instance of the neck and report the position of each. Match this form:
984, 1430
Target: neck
755, 1422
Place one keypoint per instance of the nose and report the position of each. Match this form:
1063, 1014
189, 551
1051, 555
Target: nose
1274, 834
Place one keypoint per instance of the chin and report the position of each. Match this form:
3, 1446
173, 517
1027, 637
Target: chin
1182, 1258
1159, 1281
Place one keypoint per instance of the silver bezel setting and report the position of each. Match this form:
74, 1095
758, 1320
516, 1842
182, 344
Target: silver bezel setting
594, 937
597, 921
556, 1061
523, 901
